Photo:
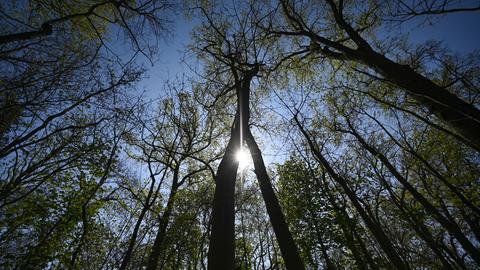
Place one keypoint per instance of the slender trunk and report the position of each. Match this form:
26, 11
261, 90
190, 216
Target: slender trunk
416, 224
375, 228
146, 207
347, 226
154, 257
245, 253
330, 265
133, 239
78, 249
449, 225
285, 240
437, 174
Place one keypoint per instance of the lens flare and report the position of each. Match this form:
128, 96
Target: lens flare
243, 159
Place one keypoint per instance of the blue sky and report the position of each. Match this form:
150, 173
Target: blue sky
168, 64
459, 31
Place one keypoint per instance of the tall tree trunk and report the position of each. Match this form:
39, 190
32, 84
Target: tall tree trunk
154, 257
221, 252
461, 116
453, 111
285, 240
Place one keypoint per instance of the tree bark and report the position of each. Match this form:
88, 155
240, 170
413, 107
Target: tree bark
221, 252
285, 240
154, 257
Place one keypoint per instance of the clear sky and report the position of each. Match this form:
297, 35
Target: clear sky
168, 64
459, 31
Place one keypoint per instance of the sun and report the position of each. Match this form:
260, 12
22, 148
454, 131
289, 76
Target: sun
243, 158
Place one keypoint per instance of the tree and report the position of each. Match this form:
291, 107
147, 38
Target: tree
240, 56
355, 162
173, 146
344, 43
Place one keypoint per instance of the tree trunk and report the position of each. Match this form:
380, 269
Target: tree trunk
285, 240
221, 252
347, 225
154, 257
450, 226
449, 108
435, 172
375, 228
415, 223
461, 116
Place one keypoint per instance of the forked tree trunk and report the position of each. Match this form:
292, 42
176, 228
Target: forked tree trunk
154, 257
221, 254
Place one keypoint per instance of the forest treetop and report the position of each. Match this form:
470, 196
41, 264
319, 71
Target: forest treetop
364, 141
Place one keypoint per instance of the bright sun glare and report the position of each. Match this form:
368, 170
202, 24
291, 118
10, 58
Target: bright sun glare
243, 159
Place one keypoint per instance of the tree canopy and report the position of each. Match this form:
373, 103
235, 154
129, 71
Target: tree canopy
299, 135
